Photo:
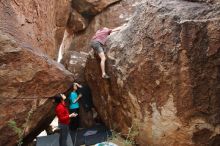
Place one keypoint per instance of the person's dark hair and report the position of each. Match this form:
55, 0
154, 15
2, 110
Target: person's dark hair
58, 99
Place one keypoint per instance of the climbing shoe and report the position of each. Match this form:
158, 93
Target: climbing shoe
105, 76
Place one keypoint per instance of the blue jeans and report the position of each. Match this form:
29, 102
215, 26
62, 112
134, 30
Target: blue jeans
64, 131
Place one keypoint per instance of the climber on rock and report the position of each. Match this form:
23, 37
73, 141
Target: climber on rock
98, 43
63, 118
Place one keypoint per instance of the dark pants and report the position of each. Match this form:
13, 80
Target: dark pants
74, 121
64, 131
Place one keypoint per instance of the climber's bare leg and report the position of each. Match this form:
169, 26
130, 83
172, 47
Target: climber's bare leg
102, 64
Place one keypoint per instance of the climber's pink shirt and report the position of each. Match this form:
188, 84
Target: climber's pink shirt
101, 35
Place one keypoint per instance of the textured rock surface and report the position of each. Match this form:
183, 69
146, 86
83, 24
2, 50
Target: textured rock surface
113, 16
165, 75
39, 23
75, 63
86, 118
207, 1
89, 8
30, 33
76, 22
25, 78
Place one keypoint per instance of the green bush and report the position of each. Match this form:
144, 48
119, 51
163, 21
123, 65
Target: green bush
13, 125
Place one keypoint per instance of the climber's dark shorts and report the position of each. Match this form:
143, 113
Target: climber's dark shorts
97, 46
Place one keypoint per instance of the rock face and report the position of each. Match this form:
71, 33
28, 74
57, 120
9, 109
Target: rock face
89, 8
28, 75
75, 62
207, 1
39, 23
76, 22
165, 75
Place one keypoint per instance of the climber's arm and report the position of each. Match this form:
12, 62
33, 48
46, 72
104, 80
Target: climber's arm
80, 95
78, 85
118, 28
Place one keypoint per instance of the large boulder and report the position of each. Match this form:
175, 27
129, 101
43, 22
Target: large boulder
39, 23
165, 78
76, 22
26, 77
89, 8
